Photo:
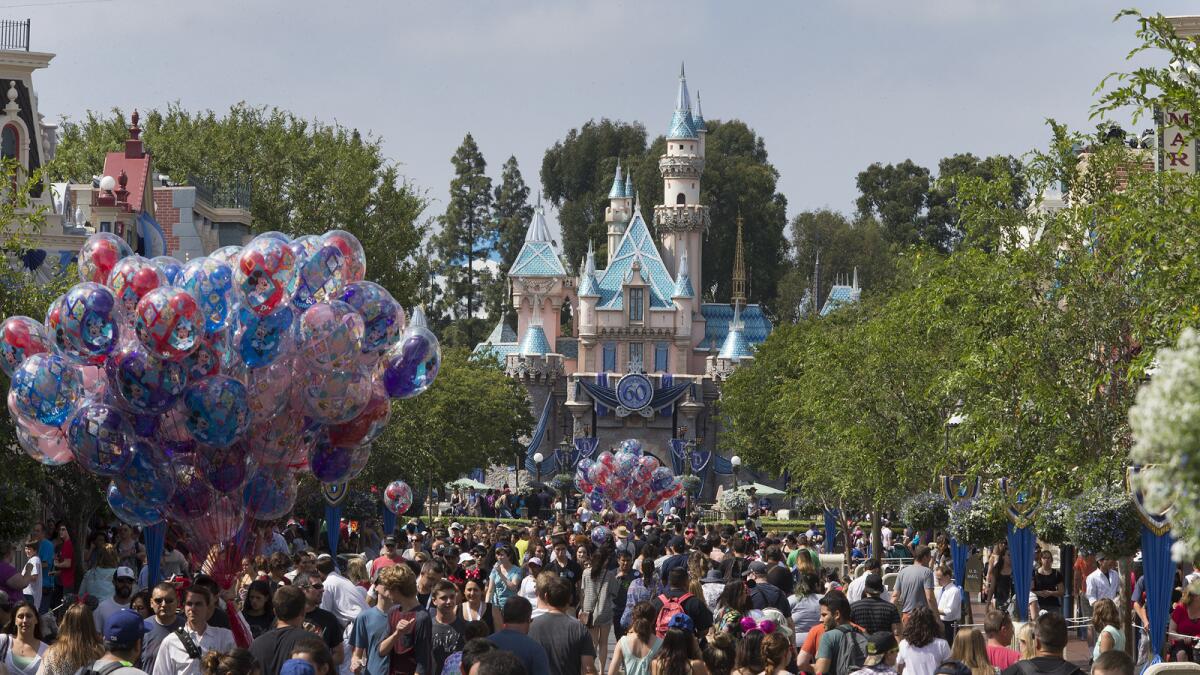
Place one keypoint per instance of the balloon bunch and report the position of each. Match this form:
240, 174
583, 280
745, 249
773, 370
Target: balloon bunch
625, 479
201, 389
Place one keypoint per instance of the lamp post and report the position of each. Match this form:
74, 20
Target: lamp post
537, 461
736, 462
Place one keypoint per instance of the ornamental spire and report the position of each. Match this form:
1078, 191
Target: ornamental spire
618, 185
739, 268
684, 102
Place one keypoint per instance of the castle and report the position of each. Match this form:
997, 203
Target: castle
645, 357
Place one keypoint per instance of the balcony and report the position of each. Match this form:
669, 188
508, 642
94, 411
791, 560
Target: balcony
218, 194
14, 35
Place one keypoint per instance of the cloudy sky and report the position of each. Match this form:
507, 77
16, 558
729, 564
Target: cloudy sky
831, 86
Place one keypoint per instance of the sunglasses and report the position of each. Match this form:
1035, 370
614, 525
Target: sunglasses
161, 601
314, 586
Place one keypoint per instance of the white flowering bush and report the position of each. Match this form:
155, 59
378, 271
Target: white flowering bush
1104, 520
925, 511
1166, 430
735, 500
1050, 524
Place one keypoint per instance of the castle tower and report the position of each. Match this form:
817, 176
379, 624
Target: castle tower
738, 296
682, 220
620, 208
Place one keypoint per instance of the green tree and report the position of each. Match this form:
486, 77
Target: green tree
999, 171
469, 419
897, 194
844, 247
306, 177
512, 213
468, 234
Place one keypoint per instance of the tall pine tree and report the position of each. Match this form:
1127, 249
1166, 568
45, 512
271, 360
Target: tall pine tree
512, 213
468, 234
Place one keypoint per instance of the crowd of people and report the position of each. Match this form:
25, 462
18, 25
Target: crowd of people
642, 597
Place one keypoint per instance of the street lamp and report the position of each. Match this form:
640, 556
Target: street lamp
736, 462
537, 460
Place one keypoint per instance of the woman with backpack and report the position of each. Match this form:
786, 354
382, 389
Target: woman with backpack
922, 650
635, 650
599, 584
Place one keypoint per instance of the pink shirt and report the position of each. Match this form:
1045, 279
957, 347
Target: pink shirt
1002, 657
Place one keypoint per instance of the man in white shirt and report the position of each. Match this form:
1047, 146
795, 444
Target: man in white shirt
885, 535
123, 582
32, 570
949, 600
341, 596
1104, 581
854, 592
181, 651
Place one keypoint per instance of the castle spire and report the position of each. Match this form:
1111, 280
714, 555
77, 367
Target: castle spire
739, 268
629, 184
538, 230
698, 116
618, 186
681, 121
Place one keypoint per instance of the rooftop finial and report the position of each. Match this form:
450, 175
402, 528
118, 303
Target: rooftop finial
637, 203
682, 75
738, 296
629, 184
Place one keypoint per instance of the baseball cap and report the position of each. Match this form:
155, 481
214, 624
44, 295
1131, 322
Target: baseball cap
125, 573
682, 622
873, 584
123, 628
756, 567
389, 541
878, 646
534, 561
677, 543
297, 667
456, 526
466, 557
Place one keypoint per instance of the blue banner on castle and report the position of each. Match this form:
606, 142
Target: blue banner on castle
958, 557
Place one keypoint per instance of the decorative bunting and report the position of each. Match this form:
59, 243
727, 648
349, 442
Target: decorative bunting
958, 488
334, 493
1020, 505
1158, 522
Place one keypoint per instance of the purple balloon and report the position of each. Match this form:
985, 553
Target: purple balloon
193, 497
144, 382
269, 493
99, 436
148, 479
130, 511
328, 462
223, 468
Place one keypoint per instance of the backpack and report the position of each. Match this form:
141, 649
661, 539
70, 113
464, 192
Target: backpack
670, 607
852, 650
91, 670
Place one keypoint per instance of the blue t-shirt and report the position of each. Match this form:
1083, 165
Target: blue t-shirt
46, 553
370, 628
527, 651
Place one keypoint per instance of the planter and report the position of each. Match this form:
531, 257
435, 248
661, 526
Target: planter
1105, 521
925, 511
979, 522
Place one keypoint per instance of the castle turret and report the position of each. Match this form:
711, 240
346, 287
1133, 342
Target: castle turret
620, 206
698, 123
682, 220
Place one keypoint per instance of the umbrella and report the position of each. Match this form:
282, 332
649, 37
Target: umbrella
761, 490
464, 483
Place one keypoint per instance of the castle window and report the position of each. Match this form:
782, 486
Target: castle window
680, 198
660, 357
635, 354
9, 142
636, 300
610, 357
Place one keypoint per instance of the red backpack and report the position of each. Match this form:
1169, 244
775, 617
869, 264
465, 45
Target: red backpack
670, 607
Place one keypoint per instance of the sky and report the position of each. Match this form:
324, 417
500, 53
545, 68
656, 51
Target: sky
830, 86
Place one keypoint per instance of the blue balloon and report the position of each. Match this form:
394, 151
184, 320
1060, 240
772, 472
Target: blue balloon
46, 388
99, 436
210, 282
319, 277
171, 268
144, 382
381, 314
270, 493
224, 468
85, 323
148, 479
328, 462
130, 511
261, 340
217, 412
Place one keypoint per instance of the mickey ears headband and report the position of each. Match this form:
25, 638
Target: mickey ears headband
765, 626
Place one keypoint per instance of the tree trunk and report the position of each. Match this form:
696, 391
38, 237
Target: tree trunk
876, 534
845, 527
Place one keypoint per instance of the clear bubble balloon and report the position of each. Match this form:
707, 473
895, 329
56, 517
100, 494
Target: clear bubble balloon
46, 388
600, 535
358, 461
397, 497
227, 255
20, 338
171, 267
319, 271
131, 279
225, 469
330, 336
268, 390
99, 255
335, 397
354, 260
168, 322
217, 410
220, 524
328, 462
129, 511
193, 496
261, 340
269, 493
368, 425
46, 444
213, 355
85, 324
412, 363
148, 478
275, 234
210, 282
100, 437
282, 440
144, 382
265, 275
382, 315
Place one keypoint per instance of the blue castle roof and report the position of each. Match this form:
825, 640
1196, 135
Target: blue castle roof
618, 186
736, 345
717, 318
840, 295
636, 244
500, 343
535, 342
681, 120
537, 257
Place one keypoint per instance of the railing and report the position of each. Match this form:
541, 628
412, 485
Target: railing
14, 35
234, 194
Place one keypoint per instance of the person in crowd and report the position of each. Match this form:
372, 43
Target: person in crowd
528, 590
854, 592
322, 621
11, 579
776, 651
922, 648
454, 662
180, 652
914, 584
140, 603
872, 612
711, 587
356, 572
1104, 581
1185, 620
969, 648
949, 601
623, 579
1026, 643
566, 641
836, 626
315, 652
21, 642
505, 578
998, 628
130, 552
431, 572
1106, 625
880, 656
514, 637
77, 645
122, 639
679, 651
274, 646
340, 596
642, 589
474, 607
257, 609
174, 563
636, 649
1050, 641
999, 577
720, 654
448, 629
1112, 662
234, 662
123, 580
763, 593
32, 570
1085, 564
409, 641
1048, 583
805, 606
164, 601
371, 625
677, 593
596, 595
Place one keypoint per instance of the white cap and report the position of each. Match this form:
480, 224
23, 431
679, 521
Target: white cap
125, 573
466, 557
456, 526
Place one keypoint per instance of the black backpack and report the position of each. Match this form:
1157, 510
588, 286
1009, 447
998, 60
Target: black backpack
108, 668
